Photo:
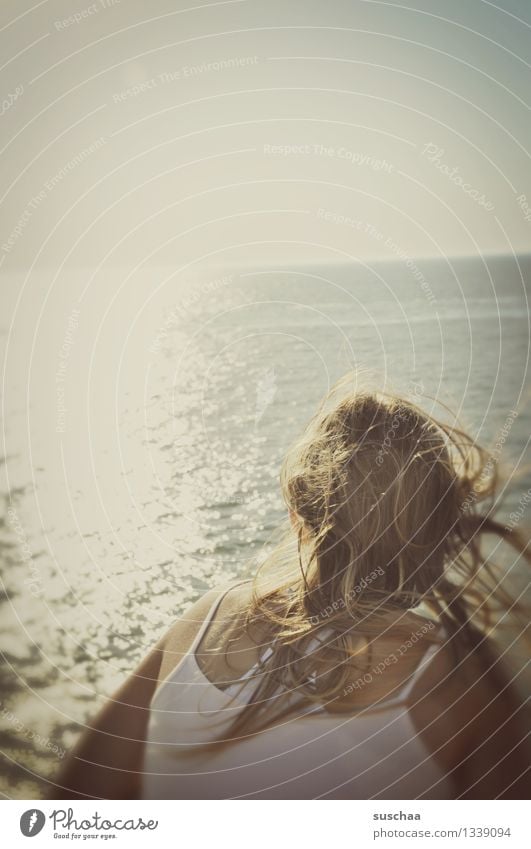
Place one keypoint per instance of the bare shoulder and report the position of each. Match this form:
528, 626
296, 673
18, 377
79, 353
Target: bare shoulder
472, 726
462, 690
178, 639
232, 645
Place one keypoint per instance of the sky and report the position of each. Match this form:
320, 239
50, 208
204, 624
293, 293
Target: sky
177, 134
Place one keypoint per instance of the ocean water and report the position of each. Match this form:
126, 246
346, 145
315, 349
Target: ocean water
145, 418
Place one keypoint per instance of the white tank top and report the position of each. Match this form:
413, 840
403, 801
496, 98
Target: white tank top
313, 754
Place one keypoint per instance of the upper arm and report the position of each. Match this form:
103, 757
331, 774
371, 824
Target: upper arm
496, 760
107, 760
473, 729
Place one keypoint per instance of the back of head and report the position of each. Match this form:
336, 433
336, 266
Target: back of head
379, 491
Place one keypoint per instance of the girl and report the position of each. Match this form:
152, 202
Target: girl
359, 663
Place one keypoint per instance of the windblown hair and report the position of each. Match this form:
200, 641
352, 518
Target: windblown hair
389, 507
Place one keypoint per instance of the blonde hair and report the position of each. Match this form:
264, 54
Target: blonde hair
389, 507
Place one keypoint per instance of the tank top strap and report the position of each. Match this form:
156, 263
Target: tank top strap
255, 668
407, 688
404, 691
210, 616
314, 644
